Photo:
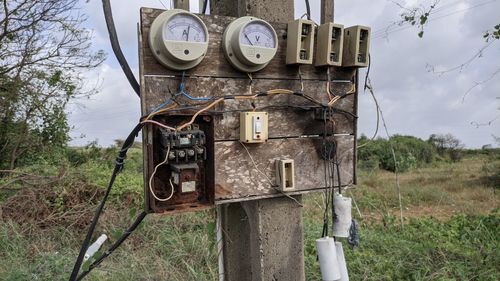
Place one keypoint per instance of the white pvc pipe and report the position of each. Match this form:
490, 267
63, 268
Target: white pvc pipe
342, 264
328, 259
342, 222
92, 249
220, 248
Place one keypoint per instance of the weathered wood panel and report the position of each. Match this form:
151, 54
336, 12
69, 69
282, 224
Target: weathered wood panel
290, 115
237, 177
215, 63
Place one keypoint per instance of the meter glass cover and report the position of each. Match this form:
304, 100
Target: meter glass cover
184, 27
257, 34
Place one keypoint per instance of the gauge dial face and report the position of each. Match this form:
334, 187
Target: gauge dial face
184, 27
257, 34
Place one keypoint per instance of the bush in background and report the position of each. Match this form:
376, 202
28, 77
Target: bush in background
447, 146
411, 152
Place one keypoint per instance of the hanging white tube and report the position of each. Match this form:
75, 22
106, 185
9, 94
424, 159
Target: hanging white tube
92, 249
342, 264
342, 222
328, 259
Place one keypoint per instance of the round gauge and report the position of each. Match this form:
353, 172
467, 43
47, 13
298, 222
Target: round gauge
249, 43
178, 39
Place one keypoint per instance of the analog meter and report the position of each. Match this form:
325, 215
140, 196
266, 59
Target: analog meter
178, 39
249, 43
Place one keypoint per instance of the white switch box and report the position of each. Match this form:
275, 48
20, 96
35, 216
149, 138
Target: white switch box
285, 175
253, 127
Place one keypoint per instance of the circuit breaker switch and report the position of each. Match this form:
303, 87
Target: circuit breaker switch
253, 127
285, 177
356, 46
329, 46
300, 41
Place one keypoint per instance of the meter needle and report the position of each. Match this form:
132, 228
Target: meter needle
187, 35
246, 36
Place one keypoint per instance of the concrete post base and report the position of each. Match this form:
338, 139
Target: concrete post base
263, 240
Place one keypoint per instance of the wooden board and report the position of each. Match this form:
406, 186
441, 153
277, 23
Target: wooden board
293, 129
238, 178
291, 116
215, 64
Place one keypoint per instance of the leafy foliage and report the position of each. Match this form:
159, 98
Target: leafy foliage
493, 34
417, 16
44, 49
411, 152
447, 146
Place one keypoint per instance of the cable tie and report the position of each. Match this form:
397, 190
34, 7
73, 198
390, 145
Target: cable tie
120, 162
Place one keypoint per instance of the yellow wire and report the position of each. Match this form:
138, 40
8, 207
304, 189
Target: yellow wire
160, 111
198, 113
328, 83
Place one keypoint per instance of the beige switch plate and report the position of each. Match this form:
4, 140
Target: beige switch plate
329, 45
253, 127
356, 46
300, 42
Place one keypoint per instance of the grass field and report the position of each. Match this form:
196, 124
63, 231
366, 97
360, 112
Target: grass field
451, 225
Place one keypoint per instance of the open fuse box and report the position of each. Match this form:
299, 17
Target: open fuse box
185, 179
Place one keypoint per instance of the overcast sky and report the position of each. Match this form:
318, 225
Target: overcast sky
414, 101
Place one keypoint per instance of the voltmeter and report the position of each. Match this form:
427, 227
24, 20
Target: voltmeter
249, 43
178, 39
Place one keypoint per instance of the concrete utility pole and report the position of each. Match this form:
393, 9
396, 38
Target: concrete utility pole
261, 231
327, 10
181, 4
263, 239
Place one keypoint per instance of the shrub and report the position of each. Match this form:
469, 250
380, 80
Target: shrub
411, 152
447, 146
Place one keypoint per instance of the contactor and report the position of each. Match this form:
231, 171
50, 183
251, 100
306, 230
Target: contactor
182, 176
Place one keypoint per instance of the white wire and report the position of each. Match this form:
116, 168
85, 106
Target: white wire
267, 177
170, 180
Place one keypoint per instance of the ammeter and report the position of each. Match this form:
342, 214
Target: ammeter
178, 39
249, 43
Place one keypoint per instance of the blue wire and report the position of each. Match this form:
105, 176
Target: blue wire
183, 93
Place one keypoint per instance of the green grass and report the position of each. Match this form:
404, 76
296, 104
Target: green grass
451, 229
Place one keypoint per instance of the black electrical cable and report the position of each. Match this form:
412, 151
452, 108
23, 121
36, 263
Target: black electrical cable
113, 247
118, 167
205, 4
115, 45
308, 10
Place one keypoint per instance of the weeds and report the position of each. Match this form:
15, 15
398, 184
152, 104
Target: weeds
450, 231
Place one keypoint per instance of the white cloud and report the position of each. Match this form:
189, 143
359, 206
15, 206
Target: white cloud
414, 101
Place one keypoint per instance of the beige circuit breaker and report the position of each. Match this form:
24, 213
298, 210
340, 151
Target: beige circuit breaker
300, 42
329, 45
253, 127
356, 46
